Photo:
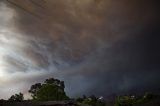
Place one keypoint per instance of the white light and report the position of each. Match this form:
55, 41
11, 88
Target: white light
2, 72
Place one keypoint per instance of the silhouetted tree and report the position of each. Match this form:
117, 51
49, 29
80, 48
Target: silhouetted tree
34, 89
91, 100
2, 100
51, 89
17, 97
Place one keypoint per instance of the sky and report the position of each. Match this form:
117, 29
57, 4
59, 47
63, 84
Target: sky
100, 47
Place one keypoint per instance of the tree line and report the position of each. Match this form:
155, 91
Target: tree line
53, 90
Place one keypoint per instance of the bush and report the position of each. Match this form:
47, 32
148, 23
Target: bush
16, 98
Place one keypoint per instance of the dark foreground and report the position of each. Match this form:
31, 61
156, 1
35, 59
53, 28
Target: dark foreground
148, 100
155, 102
50, 103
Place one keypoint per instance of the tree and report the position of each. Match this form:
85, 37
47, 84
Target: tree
51, 89
34, 89
91, 100
148, 96
2, 101
17, 97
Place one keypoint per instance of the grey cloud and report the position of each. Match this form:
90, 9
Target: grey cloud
96, 46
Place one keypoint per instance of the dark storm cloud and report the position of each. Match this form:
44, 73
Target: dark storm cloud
97, 46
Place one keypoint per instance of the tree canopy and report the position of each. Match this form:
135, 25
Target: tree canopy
51, 89
91, 101
17, 97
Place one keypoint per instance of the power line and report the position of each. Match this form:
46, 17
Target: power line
20, 7
37, 4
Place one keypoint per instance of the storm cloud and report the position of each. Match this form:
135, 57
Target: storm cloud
99, 47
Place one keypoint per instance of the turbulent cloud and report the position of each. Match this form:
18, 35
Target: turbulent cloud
96, 46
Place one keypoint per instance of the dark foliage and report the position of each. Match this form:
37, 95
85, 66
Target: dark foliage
52, 89
16, 98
